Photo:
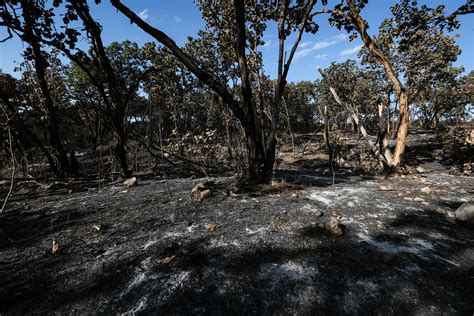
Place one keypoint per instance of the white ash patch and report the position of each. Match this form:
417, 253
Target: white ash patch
413, 268
174, 234
191, 228
244, 200
141, 304
136, 281
139, 278
367, 284
220, 243
307, 208
175, 282
322, 199
456, 199
439, 236
414, 209
149, 244
290, 270
386, 206
418, 246
337, 195
258, 230
349, 220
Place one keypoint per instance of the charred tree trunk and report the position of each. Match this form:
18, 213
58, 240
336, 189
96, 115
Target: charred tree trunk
121, 148
261, 158
290, 130
435, 120
40, 66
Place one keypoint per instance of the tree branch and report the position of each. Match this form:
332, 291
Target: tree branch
187, 60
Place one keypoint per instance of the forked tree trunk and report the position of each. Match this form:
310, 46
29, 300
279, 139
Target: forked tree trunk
402, 128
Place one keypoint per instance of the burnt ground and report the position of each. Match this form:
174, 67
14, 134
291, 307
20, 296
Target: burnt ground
402, 252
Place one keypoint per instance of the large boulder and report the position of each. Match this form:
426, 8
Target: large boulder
465, 213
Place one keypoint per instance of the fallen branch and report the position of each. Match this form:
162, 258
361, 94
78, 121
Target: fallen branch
160, 153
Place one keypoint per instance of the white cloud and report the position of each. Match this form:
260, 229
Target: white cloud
351, 51
177, 19
144, 14
304, 44
303, 52
321, 56
319, 45
331, 42
267, 44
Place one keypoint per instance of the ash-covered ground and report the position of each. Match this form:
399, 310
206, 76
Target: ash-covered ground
144, 250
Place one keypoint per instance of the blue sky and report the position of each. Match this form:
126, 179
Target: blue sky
181, 18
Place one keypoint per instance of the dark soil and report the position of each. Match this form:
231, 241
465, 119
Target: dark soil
270, 252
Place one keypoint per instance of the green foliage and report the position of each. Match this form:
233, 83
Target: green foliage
416, 42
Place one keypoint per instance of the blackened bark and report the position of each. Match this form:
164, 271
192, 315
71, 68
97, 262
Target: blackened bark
40, 66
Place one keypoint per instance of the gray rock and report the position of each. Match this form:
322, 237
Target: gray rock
465, 213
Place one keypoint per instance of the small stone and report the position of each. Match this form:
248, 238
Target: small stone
420, 169
205, 194
425, 203
201, 190
96, 227
295, 195
408, 198
439, 210
54, 247
334, 227
351, 204
211, 227
465, 213
426, 190
418, 199
166, 260
198, 187
130, 183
